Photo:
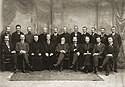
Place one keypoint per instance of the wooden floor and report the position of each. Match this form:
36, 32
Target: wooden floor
113, 80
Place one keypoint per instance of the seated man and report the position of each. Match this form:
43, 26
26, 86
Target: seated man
22, 49
49, 51
98, 53
62, 48
8, 49
87, 48
36, 51
111, 53
75, 50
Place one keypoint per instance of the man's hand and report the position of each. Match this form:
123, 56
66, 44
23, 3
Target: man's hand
32, 54
51, 54
85, 54
47, 54
22, 51
74, 49
95, 54
63, 51
110, 55
78, 53
39, 54
13, 51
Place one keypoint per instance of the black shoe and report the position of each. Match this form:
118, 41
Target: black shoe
115, 71
71, 66
107, 74
23, 70
82, 68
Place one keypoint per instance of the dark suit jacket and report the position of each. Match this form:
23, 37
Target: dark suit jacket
117, 39
29, 38
93, 38
78, 37
20, 46
99, 49
42, 38
60, 47
83, 37
36, 48
5, 49
55, 39
114, 50
67, 37
72, 47
49, 48
104, 39
15, 38
87, 47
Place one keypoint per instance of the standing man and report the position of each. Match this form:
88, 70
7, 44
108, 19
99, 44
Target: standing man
85, 34
77, 34
55, 36
7, 33
93, 36
29, 35
42, 37
75, 51
22, 49
104, 37
66, 35
16, 35
98, 53
117, 41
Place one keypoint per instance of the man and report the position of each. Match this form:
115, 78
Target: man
16, 35
22, 49
66, 35
98, 53
103, 36
93, 35
85, 34
87, 48
29, 35
7, 33
55, 37
77, 34
8, 49
49, 52
75, 51
36, 52
42, 37
111, 53
117, 41
62, 48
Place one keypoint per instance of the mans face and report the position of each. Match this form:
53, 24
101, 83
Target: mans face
93, 30
8, 29
98, 40
74, 39
18, 28
84, 30
87, 39
29, 29
102, 30
65, 30
76, 29
36, 38
22, 37
110, 40
62, 40
45, 30
6, 38
55, 30
113, 29
48, 36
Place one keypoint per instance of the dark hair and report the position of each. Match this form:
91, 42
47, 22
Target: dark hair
84, 27
18, 26
113, 27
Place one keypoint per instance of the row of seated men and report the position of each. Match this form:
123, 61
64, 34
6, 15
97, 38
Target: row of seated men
91, 48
